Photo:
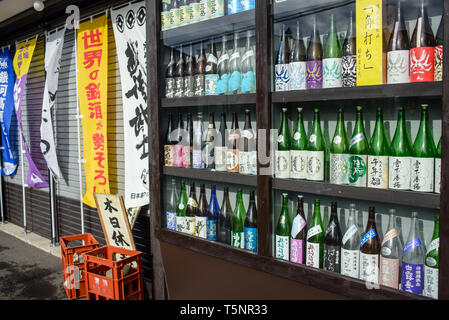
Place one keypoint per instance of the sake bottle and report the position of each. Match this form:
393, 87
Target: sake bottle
283, 231
399, 161
213, 212
316, 149
412, 260
298, 150
191, 211
423, 160
235, 69
338, 173
189, 74
205, 10
390, 254
332, 243
438, 168
197, 153
238, 219
232, 151
431, 263
358, 153
299, 234
349, 55
297, 65
350, 247
210, 143
202, 212
175, 13
439, 53
184, 13
169, 76
281, 68
195, 10
200, 71
315, 239
370, 250
187, 148
170, 212
223, 70
378, 155
332, 64
282, 169
211, 77
181, 209
248, 153
250, 225
248, 67
398, 54
165, 15
220, 146
169, 143
177, 148
224, 225
179, 75
314, 65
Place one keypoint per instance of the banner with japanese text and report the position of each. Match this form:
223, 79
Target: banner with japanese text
130, 38
21, 63
92, 65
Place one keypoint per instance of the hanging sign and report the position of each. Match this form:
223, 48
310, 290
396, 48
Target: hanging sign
130, 38
22, 61
92, 64
53, 51
7, 78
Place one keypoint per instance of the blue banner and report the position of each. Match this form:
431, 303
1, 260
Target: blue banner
7, 80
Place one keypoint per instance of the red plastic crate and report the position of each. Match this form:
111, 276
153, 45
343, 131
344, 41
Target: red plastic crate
113, 273
73, 264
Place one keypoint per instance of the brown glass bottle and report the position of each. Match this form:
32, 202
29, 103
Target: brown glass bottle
179, 75
370, 250
191, 211
201, 218
189, 75
232, 152
200, 72
299, 234
314, 67
332, 242
169, 76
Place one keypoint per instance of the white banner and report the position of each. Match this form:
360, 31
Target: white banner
53, 51
130, 39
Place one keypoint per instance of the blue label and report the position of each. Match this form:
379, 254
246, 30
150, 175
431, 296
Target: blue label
369, 235
248, 82
411, 245
235, 81
412, 277
251, 239
171, 220
234, 6
248, 4
210, 84
222, 84
212, 230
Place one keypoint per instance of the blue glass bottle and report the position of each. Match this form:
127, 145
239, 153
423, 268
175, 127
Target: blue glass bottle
212, 216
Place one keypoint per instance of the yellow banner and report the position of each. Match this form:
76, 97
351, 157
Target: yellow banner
22, 58
92, 63
369, 42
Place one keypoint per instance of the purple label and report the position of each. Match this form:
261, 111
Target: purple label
296, 251
412, 277
177, 155
314, 74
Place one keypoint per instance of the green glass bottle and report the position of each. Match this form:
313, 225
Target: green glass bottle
283, 230
315, 239
358, 153
283, 152
181, 208
298, 152
438, 168
316, 149
238, 220
332, 59
401, 151
378, 156
338, 173
431, 263
424, 152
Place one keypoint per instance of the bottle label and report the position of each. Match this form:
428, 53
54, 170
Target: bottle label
338, 168
330, 227
298, 160
357, 170
412, 277
282, 247
189, 86
439, 63
389, 272
422, 64
199, 85
435, 244
186, 157
176, 15
378, 172
331, 258
223, 84
177, 156
201, 227
165, 20
430, 282
399, 173
313, 255
298, 224
198, 159
211, 83
234, 6
204, 10
179, 87
358, 137
349, 71
251, 239
411, 244
220, 158
332, 69
314, 74
169, 88
253, 162
185, 15
349, 233
216, 8
315, 165
368, 236
391, 234
313, 231
282, 164
235, 81
181, 224
248, 4
212, 59
296, 250
297, 75
209, 155
422, 172
168, 155
369, 267
282, 81
238, 239
171, 220
244, 162
196, 12
398, 66
232, 160
222, 59
437, 175
190, 225
212, 230
350, 263
247, 54
249, 82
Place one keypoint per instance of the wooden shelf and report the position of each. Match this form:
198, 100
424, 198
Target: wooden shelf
226, 100
406, 198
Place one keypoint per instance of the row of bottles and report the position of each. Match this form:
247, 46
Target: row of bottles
177, 13
358, 161
231, 150
208, 220
231, 72
409, 268
408, 60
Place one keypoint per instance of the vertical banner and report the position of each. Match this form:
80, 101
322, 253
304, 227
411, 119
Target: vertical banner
22, 61
53, 51
7, 78
92, 64
369, 42
130, 38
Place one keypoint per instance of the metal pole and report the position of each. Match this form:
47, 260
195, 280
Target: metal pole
52, 208
24, 185
1, 190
